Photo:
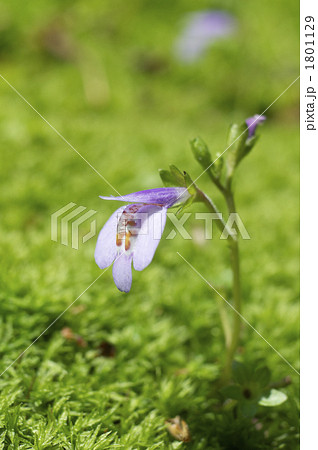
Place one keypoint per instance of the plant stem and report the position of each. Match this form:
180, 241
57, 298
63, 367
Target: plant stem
216, 181
211, 206
237, 305
231, 333
235, 265
222, 226
226, 325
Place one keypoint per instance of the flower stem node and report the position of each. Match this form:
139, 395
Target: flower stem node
174, 177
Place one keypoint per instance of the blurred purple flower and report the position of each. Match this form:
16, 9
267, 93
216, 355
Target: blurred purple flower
133, 232
201, 30
253, 122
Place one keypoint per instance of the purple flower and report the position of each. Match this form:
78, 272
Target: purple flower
133, 232
201, 30
253, 122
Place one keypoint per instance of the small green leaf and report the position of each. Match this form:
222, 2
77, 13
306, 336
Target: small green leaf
274, 398
167, 178
262, 376
178, 176
248, 408
232, 391
241, 372
172, 178
229, 404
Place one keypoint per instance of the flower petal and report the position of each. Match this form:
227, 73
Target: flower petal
159, 196
200, 31
122, 272
253, 122
106, 249
149, 237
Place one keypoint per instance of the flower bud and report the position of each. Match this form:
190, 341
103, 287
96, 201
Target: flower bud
241, 140
201, 152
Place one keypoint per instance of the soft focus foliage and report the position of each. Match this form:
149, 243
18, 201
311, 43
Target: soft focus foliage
103, 73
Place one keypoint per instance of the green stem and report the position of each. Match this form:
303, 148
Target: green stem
211, 206
226, 325
235, 265
216, 181
231, 333
237, 305
222, 226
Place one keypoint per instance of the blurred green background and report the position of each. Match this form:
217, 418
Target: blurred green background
103, 74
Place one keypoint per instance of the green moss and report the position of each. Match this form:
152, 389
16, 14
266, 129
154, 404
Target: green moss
168, 341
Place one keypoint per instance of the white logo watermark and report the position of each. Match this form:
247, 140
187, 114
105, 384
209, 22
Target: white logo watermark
71, 223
